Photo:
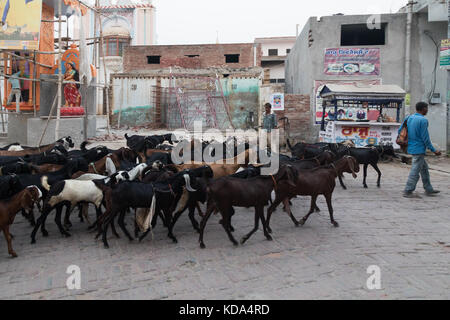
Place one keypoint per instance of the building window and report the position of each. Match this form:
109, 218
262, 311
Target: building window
192, 55
153, 59
273, 52
232, 58
288, 51
280, 81
113, 46
273, 80
360, 35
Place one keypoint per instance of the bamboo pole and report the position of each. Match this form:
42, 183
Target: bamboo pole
1, 107
60, 78
106, 91
34, 83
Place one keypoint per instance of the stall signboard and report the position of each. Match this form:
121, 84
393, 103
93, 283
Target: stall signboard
445, 54
364, 136
329, 111
20, 24
277, 101
352, 61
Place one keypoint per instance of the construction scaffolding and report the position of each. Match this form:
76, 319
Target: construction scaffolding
30, 58
193, 98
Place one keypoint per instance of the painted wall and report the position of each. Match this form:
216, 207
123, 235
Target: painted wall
305, 63
134, 98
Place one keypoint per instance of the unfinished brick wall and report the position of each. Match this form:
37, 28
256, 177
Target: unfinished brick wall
210, 55
297, 108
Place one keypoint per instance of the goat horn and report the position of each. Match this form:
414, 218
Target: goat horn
187, 178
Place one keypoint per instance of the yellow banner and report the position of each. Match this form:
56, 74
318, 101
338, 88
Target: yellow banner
20, 24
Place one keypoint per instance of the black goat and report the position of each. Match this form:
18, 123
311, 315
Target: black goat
137, 195
368, 156
204, 175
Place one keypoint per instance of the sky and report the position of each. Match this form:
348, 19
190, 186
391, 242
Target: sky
199, 21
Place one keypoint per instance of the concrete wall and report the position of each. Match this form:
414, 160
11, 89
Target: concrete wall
25, 129
281, 45
210, 55
133, 98
305, 63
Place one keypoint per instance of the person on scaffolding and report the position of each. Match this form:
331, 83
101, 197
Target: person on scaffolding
71, 93
15, 84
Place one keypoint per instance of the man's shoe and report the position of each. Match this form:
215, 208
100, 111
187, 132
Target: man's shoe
432, 193
411, 195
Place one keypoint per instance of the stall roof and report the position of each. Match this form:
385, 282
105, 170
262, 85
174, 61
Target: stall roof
381, 91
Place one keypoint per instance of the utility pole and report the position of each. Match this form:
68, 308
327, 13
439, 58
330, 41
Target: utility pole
407, 83
448, 80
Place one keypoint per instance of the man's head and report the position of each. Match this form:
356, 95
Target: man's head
422, 108
268, 107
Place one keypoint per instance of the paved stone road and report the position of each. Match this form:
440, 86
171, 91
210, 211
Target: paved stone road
408, 239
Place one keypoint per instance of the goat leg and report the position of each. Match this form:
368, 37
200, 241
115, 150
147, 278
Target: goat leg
8, 240
289, 212
341, 181
58, 222
365, 176
255, 228
226, 217
330, 209
311, 210
208, 213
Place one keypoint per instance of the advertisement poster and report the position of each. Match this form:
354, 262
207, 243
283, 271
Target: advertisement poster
352, 62
277, 101
318, 86
445, 54
364, 136
20, 24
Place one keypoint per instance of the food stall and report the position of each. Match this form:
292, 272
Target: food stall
368, 115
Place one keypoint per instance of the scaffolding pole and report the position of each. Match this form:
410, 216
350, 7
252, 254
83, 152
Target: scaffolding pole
106, 91
60, 78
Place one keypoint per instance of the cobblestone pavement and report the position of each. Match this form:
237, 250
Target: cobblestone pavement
408, 239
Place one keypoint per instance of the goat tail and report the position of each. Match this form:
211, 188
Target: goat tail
44, 182
289, 144
83, 146
126, 136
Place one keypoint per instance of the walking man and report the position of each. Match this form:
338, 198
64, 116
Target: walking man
15, 90
418, 142
269, 122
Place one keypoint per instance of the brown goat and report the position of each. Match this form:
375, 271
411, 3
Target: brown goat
117, 157
313, 182
10, 207
229, 166
228, 192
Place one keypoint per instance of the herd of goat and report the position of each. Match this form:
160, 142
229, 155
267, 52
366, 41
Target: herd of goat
143, 177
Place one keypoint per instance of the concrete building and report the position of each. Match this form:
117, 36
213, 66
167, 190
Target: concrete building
307, 68
275, 51
124, 23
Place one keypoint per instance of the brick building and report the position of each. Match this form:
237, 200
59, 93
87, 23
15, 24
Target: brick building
235, 56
